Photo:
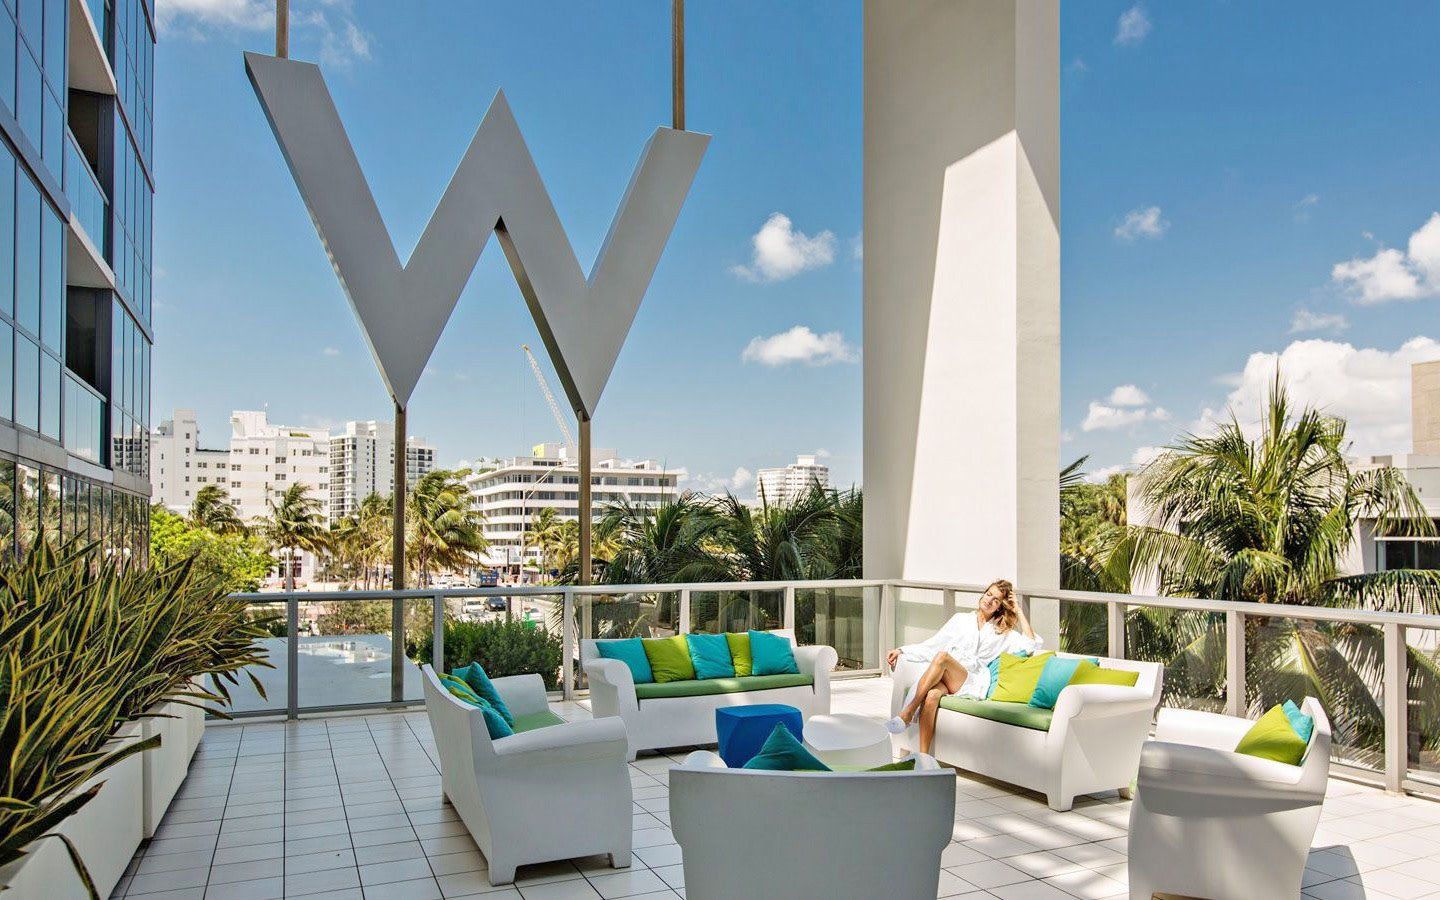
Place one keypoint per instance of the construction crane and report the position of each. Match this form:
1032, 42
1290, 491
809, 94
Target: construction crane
549, 397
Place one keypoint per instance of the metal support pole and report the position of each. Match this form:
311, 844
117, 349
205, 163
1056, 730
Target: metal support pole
947, 603
438, 630
887, 619
683, 626
567, 644
1235, 703
787, 611
1115, 630
585, 499
677, 64
292, 656
1397, 728
282, 28
397, 562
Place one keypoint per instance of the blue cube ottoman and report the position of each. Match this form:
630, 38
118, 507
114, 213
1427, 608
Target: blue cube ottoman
740, 730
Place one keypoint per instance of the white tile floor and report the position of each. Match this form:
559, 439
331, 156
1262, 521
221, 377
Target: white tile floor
350, 807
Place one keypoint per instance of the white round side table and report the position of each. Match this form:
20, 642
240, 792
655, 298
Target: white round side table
848, 741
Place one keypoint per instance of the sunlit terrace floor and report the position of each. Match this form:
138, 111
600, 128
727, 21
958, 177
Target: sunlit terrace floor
350, 807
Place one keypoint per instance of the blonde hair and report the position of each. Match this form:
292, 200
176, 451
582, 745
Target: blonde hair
1009, 612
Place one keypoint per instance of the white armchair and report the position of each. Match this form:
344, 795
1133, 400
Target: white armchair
507, 791
1210, 822
801, 835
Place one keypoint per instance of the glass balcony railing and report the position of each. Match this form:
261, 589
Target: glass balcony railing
84, 420
82, 189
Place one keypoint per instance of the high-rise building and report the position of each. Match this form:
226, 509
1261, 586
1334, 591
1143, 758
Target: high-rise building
180, 467
76, 184
783, 484
362, 462
513, 491
266, 459
1425, 407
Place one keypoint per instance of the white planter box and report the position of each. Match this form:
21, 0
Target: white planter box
165, 766
106, 831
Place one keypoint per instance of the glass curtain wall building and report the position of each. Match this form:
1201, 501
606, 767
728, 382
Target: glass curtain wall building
76, 191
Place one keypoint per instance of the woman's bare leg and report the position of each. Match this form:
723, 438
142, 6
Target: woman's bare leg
943, 669
929, 711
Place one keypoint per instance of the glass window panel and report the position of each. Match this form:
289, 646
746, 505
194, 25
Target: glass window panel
7, 62
27, 383
27, 480
55, 38
52, 138
7, 225
27, 252
7, 507
7, 371
52, 280
1427, 554
28, 90
51, 386
32, 21
50, 504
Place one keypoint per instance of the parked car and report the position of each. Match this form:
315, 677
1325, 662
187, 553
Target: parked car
497, 604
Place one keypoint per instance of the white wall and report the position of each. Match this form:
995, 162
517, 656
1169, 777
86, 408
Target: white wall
962, 292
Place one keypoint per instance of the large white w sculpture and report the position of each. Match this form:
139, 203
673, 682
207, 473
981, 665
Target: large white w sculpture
403, 309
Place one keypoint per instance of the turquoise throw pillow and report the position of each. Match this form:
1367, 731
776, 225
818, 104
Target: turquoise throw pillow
771, 654
995, 673
781, 752
1304, 725
711, 655
474, 675
632, 653
1058, 672
495, 723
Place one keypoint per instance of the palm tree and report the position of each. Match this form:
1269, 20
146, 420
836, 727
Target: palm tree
212, 509
295, 523
1270, 519
444, 524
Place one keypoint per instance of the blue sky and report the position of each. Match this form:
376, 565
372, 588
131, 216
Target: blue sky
1237, 182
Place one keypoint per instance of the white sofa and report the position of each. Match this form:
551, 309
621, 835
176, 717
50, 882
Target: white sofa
802, 835
690, 721
1092, 743
553, 793
1210, 822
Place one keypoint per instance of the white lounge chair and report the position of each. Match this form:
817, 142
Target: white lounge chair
801, 835
1210, 822
557, 792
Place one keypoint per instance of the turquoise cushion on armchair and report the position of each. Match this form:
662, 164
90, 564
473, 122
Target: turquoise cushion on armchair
474, 675
783, 752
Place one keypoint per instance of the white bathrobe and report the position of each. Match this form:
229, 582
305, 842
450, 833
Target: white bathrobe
974, 648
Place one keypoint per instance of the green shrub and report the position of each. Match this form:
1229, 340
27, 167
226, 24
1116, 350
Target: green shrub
503, 648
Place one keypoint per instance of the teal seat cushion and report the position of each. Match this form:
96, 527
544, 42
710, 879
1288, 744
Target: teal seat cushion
771, 654
543, 719
1053, 679
632, 653
1304, 725
474, 675
783, 752
1022, 715
709, 686
711, 655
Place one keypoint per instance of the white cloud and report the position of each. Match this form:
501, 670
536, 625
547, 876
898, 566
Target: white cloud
344, 47
801, 345
1368, 387
857, 247
1134, 26
709, 483
329, 23
822, 453
780, 251
331, 351
1077, 66
1306, 204
1128, 395
247, 15
1305, 320
742, 478
1393, 274
1138, 460
1142, 223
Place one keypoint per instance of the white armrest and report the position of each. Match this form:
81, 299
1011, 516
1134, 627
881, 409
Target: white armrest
703, 759
1187, 769
1098, 701
924, 762
611, 675
593, 734
815, 659
523, 694
1200, 729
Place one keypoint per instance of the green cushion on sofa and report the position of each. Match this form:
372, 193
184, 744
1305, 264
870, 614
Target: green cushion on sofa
1089, 673
709, 686
543, 719
669, 658
739, 652
1022, 714
1018, 677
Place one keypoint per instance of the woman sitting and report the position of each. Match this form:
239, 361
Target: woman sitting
960, 654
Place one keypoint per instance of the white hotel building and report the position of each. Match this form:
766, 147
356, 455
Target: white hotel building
784, 484
512, 491
180, 467
362, 462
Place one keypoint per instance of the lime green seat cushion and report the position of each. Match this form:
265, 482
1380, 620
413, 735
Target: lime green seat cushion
707, 686
1018, 677
669, 659
1273, 737
1019, 713
542, 719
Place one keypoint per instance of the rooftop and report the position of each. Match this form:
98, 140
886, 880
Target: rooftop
350, 807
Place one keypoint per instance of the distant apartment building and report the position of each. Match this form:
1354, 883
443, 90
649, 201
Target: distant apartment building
513, 491
180, 467
1425, 407
266, 459
783, 484
362, 462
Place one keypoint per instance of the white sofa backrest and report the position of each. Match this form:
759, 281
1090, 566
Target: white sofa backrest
1150, 673
461, 737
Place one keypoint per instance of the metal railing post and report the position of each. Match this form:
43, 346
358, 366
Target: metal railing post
683, 625
292, 657
1115, 630
1235, 700
887, 619
947, 602
567, 644
437, 640
787, 611
1397, 728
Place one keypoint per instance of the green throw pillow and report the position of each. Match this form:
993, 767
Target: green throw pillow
1089, 673
669, 658
740, 653
460, 689
904, 765
781, 752
495, 724
1273, 737
1018, 677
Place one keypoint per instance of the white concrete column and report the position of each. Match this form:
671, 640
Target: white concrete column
962, 292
